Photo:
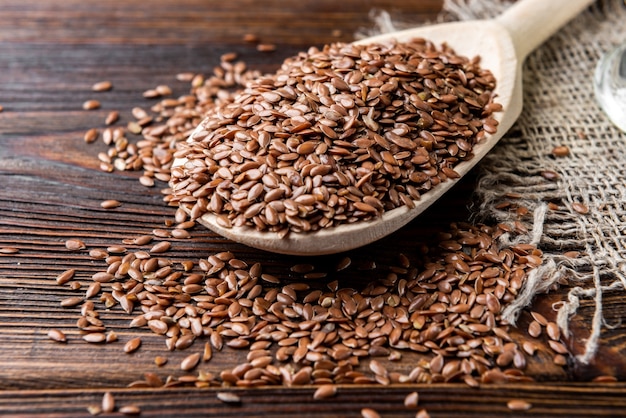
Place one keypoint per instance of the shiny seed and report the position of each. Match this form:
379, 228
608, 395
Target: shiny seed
325, 392
102, 86
91, 105
108, 403
110, 204
132, 345
57, 335
190, 362
519, 405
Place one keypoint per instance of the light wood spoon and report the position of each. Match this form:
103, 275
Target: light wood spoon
502, 43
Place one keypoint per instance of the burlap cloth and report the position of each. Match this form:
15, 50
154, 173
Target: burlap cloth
559, 110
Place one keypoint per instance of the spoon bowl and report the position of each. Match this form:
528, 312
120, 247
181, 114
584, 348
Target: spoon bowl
502, 44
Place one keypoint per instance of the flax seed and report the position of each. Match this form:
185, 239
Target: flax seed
560, 151
91, 105
190, 362
102, 86
75, 244
130, 410
71, 301
411, 400
95, 337
228, 397
580, 208
110, 204
519, 405
132, 345
325, 392
91, 135
369, 413
265, 47
57, 335
108, 403
65, 277
160, 247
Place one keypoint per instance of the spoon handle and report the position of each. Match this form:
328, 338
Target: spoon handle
532, 22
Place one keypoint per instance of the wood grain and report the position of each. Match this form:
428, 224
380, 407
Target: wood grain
51, 188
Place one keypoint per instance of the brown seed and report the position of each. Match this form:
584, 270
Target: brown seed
93, 290
604, 379
103, 277
91, 135
228, 397
580, 208
94, 410
560, 151
71, 301
95, 337
411, 400
250, 38
130, 410
369, 413
325, 392
519, 405
9, 250
558, 347
190, 362
534, 329
98, 254
422, 413
57, 335
539, 318
112, 117
102, 86
66, 276
160, 247
110, 204
91, 105
132, 345
266, 47
75, 244
160, 361
142, 240
108, 403
553, 331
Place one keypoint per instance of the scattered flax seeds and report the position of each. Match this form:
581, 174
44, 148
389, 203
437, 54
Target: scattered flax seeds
442, 302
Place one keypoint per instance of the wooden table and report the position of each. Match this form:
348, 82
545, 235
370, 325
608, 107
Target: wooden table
51, 53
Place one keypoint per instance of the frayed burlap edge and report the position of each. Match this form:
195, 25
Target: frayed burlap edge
559, 110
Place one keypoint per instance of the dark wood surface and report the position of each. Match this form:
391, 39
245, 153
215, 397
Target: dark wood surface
51, 53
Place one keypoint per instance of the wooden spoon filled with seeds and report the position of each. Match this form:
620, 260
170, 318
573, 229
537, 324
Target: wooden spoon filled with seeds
345, 144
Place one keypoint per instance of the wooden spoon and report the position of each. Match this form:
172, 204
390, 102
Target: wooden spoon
502, 43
